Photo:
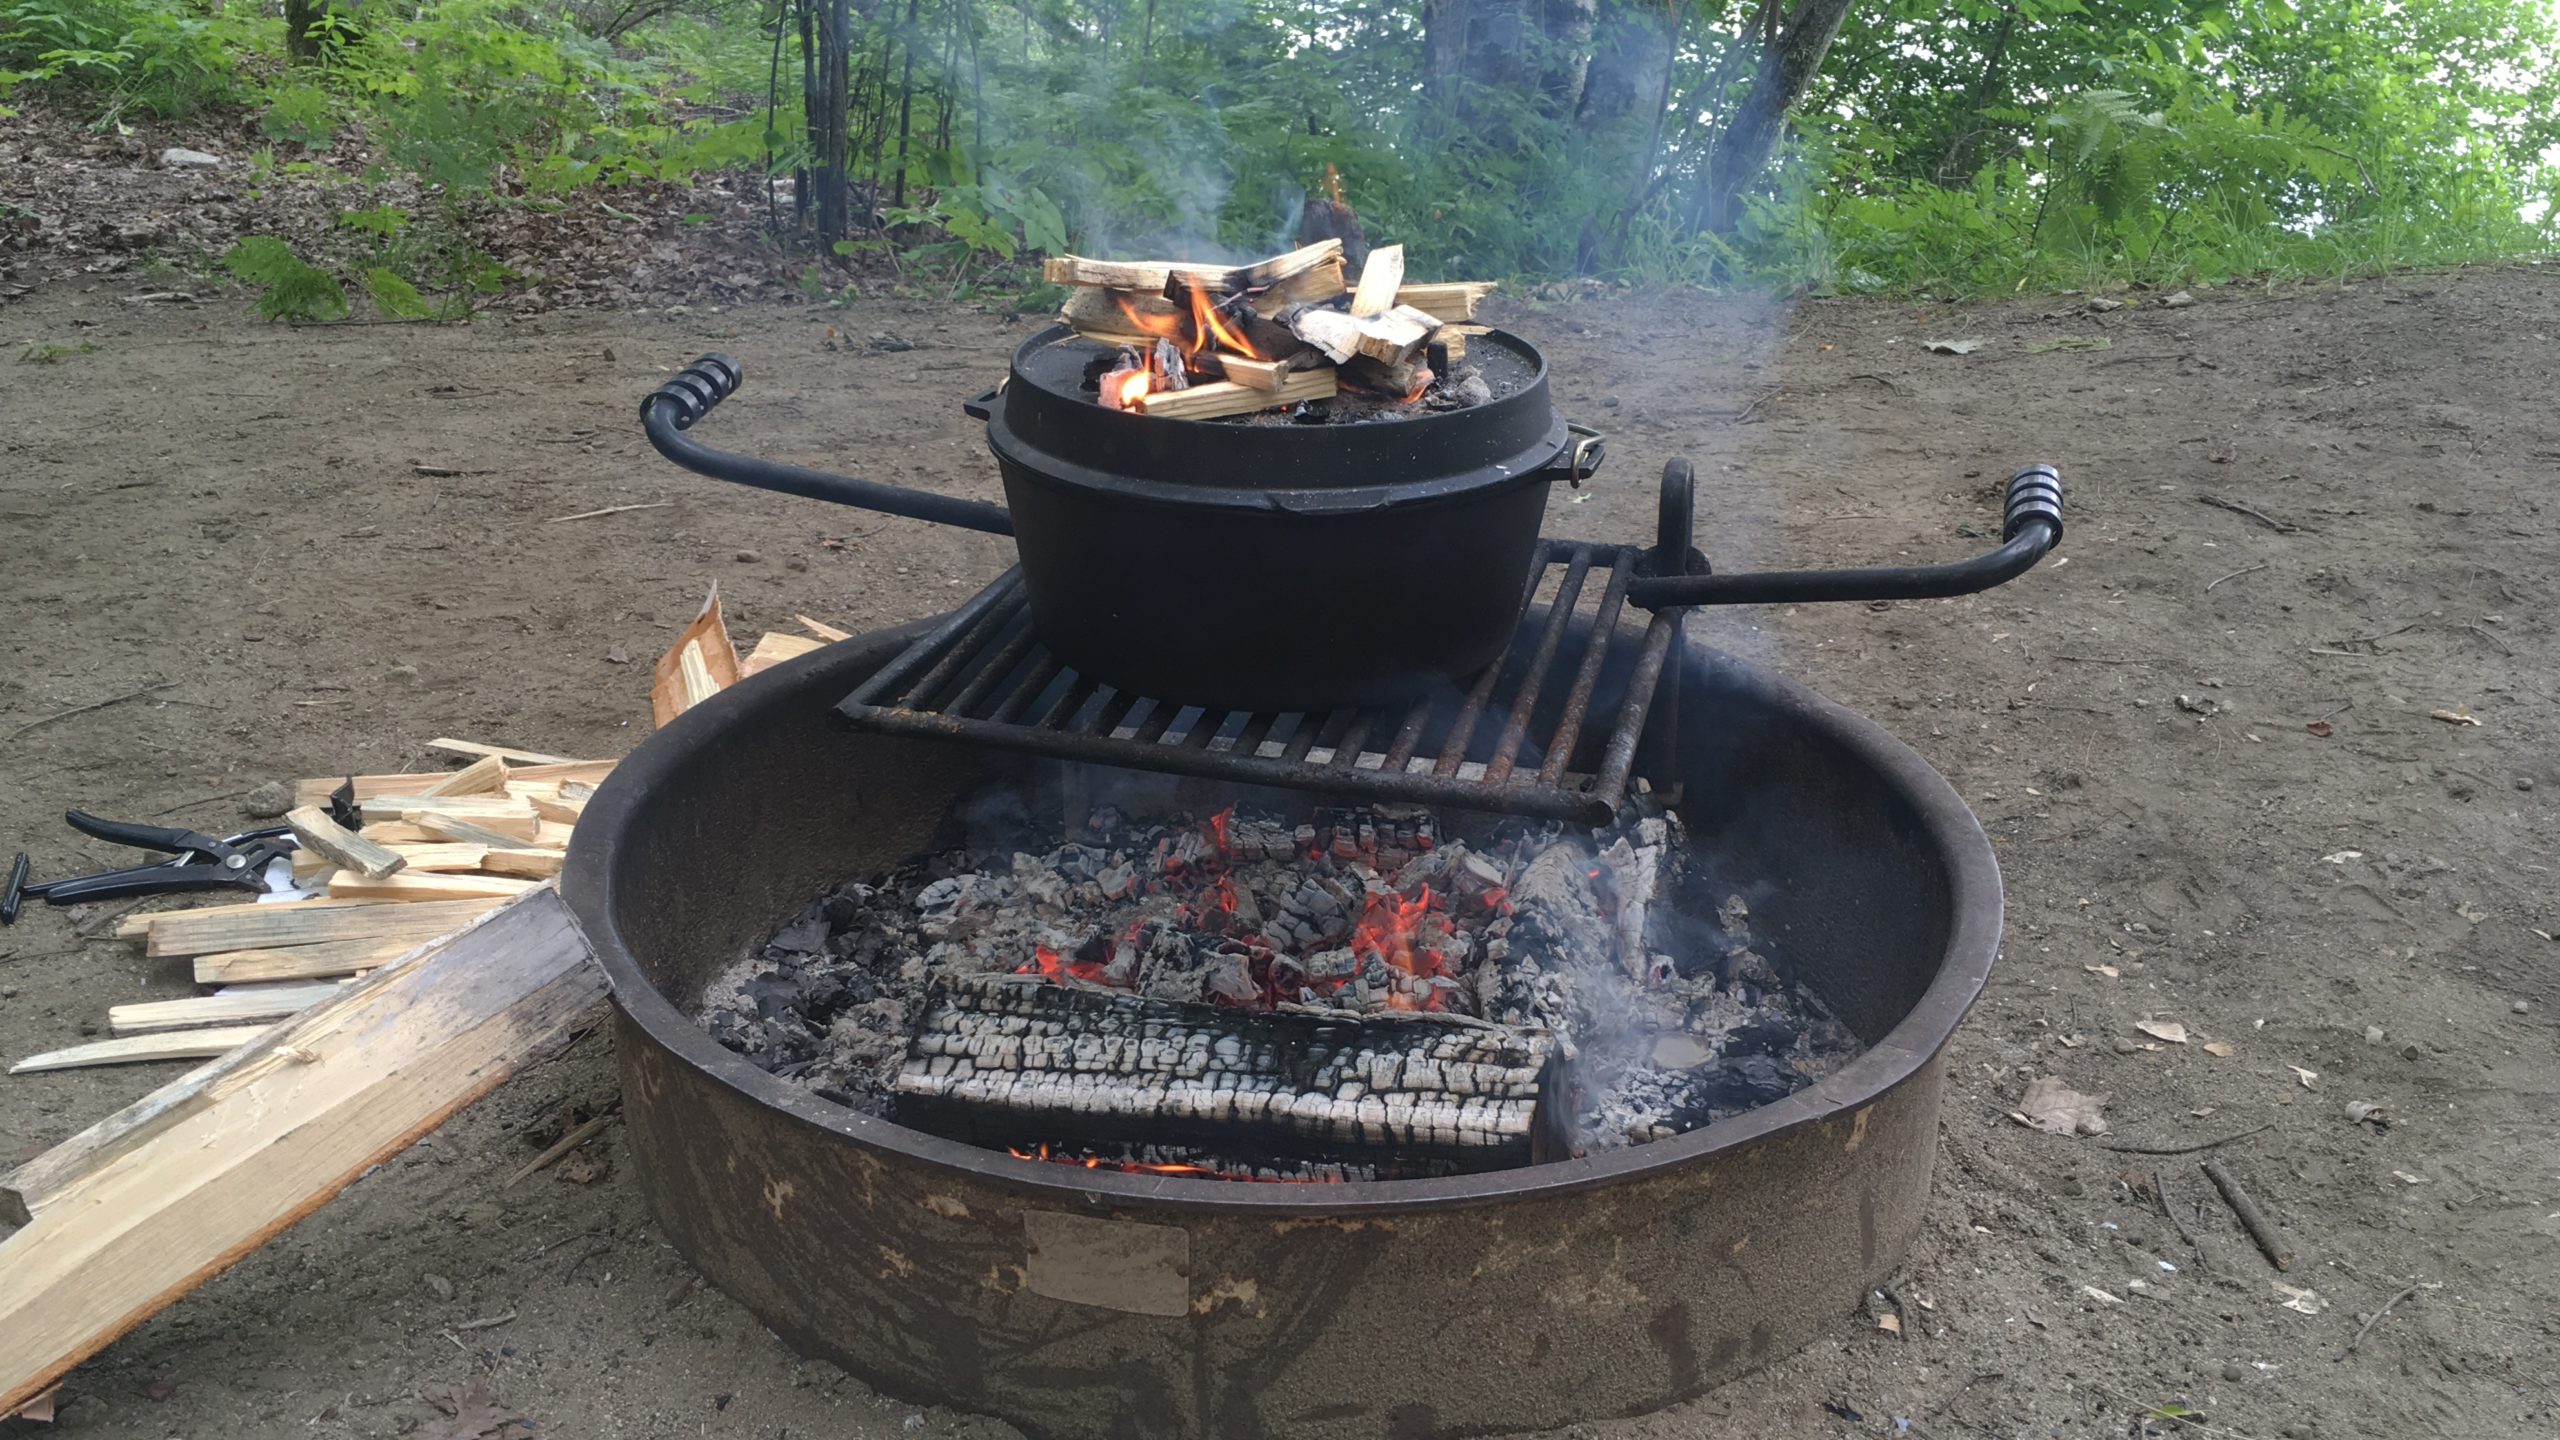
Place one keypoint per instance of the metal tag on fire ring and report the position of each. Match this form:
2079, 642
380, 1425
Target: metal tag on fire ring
1115, 1264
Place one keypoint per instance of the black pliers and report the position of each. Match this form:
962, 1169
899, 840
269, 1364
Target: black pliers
198, 862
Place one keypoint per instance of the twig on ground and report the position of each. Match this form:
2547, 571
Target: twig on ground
2099, 660
608, 510
2374, 1319
2503, 647
2252, 1219
2236, 574
40, 723
2186, 1149
2281, 527
563, 1146
1750, 412
2160, 1193
488, 1322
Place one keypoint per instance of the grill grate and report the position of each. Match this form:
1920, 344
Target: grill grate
1509, 742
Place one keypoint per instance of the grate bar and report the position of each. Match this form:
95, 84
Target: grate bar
988, 657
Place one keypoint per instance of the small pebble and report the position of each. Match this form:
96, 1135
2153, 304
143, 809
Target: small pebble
2524, 782
438, 1286
2409, 1052
795, 562
2373, 1034
748, 557
2520, 1007
2124, 1046
267, 801
2235, 1372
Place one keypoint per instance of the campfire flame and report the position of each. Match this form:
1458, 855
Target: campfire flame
1208, 332
1138, 1167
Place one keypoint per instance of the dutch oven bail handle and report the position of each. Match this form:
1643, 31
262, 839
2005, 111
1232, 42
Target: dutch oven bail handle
2031, 525
674, 407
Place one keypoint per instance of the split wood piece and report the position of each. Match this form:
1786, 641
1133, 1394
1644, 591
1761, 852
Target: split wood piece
558, 810
327, 960
325, 839
433, 857
583, 772
527, 861
203, 1011
139, 927
505, 814
1396, 381
821, 629
507, 753
1255, 374
1315, 286
1162, 276
1448, 302
480, 777
461, 831
170, 1192
1225, 397
175, 1045
700, 664
259, 927
1379, 281
1393, 338
316, 791
774, 647
2252, 1219
1003, 1061
411, 888
1140, 314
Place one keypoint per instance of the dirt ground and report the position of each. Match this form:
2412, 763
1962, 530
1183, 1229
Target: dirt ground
2203, 744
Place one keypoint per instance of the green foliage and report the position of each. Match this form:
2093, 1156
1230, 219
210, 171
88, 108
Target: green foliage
396, 298
157, 56
54, 352
294, 290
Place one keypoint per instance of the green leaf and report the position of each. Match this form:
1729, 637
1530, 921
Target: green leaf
396, 298
294, 290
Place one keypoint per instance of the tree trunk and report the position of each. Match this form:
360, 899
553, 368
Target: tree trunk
1743, 148
808, 107
827, 126
1482, 58
906, 106
300, 45
1969, 124
1630, 68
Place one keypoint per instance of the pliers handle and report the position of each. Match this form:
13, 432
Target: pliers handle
199, 861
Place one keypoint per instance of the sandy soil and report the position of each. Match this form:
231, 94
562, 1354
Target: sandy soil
234, 513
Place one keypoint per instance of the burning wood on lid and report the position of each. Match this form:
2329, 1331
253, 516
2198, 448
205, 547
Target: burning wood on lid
1201, 342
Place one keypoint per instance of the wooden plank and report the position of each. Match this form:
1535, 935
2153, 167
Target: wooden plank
776, 646
458, 830
591, 772
409, 888
170, 1192
1225, 397
326, 841
480, 777
507, 753
198, 1012
1254, 374
525, 861
821, 629
563, 811
433, 857
1155, 276
258, 927
508, 816
133, 1049
1447, 302
1321, 283
1181, 279
699, 663
138, 927
326, 960
1379, 281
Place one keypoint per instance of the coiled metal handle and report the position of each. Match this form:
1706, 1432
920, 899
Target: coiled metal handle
2035, 493
696, 388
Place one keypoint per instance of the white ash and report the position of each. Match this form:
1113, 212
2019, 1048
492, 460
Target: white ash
1382, 913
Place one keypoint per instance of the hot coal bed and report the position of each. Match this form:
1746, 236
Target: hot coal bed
1333, 994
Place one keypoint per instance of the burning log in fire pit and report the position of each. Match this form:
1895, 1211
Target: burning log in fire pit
1200, 342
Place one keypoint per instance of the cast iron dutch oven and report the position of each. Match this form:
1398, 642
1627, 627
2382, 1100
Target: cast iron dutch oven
1241, 564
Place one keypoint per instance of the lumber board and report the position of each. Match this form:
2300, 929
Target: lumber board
431, 856
1323, 282
1454, 301
1254, 374
323, 961
407, 888
591, 772
316, 791
1162, 276
254, 927
134, 1049
197, 1012
139, 927
174, 1190
1379, 281
480, 777
507, 816
326, 842
821, 629
507, 753
776, 646
1225, 397
562, 811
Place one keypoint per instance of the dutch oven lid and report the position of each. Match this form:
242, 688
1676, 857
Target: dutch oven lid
1044, 419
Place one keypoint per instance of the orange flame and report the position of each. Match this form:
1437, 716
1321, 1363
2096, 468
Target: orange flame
1207, 325
1388, 929
1137, 1167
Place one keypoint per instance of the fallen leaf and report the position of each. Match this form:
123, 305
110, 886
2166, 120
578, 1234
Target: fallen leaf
2057, 1109
2363, 1110
2305, 1076
2169, 1030
2341, 857
2405, 1178
2109, 971
1951, 347
2462, 716
2094, 1293
1890, 1324
2222, 1048
2297, 1298
2320, 728
471, 1414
